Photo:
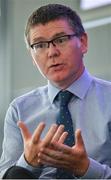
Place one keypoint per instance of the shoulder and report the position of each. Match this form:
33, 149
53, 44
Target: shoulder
101, 87
29, 97
101, 83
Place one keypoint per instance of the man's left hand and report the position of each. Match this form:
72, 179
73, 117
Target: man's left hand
73, 158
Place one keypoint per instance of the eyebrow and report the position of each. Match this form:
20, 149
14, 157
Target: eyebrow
39, 39
58, 34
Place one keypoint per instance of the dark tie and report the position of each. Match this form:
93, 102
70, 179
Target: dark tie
64, 118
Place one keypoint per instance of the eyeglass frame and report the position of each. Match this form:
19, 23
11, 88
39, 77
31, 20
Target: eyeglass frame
69, 36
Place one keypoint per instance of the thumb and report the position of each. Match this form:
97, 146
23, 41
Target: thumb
78, 138
25, 132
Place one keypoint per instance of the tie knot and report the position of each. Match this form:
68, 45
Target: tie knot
64, 97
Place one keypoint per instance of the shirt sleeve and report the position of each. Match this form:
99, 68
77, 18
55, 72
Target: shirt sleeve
12, 153
97, 171
12, 143
23, 163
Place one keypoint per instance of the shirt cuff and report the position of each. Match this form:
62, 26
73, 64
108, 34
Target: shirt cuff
23, 163
95, 170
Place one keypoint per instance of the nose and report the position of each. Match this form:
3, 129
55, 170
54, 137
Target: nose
53, 51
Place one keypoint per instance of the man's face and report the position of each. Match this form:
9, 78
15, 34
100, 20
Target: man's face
60, 65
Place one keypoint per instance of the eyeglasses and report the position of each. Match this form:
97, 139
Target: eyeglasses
60, 41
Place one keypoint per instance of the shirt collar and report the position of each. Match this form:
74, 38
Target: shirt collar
79, 87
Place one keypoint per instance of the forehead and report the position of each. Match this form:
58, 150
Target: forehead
50, 29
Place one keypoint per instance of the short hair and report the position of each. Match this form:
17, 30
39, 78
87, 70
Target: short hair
51, 12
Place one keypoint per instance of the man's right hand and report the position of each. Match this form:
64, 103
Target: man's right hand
33, 143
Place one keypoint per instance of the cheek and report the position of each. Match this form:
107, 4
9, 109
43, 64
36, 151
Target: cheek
74, 57
40, 64
36, 61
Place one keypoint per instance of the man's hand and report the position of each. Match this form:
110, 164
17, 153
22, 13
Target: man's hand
33, 143
74, 158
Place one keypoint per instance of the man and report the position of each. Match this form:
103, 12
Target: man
34, 145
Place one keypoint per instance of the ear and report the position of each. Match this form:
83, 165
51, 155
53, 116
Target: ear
84, 43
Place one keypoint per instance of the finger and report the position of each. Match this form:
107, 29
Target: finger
78, 138
25, 132
37, 133
49, 135
61, 147
58, 155
63, 137
53, 161
58, 133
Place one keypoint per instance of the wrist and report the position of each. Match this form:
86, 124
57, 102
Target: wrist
34, 163
81, 170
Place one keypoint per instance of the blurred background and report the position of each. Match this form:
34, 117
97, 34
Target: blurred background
17, 73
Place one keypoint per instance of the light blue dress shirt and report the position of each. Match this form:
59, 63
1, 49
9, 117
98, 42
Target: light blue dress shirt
90, 110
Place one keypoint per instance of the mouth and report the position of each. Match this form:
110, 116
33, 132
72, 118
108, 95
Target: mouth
57, 67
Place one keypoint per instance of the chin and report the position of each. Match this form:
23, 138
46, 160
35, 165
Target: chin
56, 78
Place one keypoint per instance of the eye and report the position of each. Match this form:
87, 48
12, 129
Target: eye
40, 45
61, 40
